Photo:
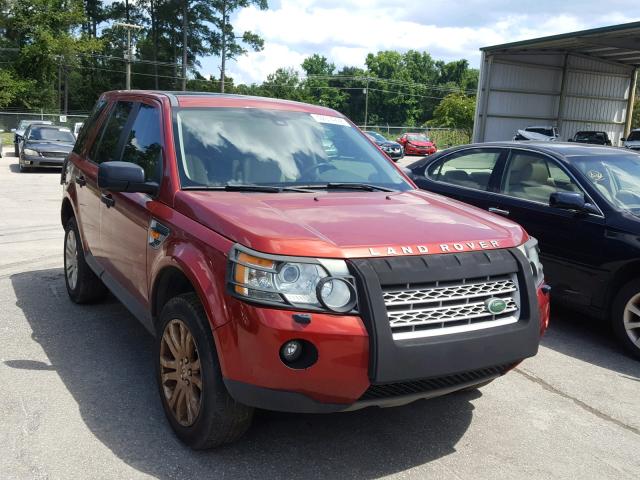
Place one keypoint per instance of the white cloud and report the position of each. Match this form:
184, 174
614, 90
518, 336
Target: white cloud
346, 30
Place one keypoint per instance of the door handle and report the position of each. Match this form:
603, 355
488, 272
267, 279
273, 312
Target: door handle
499, 211
107, 199
80, 180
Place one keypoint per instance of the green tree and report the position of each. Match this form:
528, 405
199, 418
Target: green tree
319, 86
11, 88
456, 110
229, 45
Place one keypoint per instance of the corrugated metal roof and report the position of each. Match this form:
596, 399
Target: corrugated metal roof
616, 43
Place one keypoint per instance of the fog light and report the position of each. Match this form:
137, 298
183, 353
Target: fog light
291, 351
337, 294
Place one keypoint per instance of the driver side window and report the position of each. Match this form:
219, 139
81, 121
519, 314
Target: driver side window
535, 177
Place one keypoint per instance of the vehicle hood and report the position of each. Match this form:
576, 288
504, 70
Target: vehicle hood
50, 146
420, 143
536, 136
348, 224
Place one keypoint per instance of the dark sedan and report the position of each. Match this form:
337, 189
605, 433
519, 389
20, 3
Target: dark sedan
45, 146
582, 202
393, 149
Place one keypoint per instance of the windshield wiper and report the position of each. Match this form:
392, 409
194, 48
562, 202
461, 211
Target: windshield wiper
242, 187
354, 186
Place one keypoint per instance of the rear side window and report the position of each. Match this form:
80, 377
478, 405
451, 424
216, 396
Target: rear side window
83, 135
144, 142
106, 149
471, 169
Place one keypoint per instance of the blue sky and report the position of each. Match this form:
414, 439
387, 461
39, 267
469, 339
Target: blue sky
346, 30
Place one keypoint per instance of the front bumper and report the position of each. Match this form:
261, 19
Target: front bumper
359, 364
42, 162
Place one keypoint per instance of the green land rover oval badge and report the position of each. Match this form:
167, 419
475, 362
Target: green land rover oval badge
495, 306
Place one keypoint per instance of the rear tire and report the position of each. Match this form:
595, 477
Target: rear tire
625, 317
83, 286
194, 398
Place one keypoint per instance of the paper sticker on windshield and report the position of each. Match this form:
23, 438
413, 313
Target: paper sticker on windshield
329, 119
595, 175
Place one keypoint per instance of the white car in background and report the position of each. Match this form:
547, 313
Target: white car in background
633, 140
539, 133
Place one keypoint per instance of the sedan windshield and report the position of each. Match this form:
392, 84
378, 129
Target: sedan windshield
51, 135
375, 136
617, 178
245, 146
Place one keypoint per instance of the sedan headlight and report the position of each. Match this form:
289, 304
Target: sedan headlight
300, 282
28, 151
532, 252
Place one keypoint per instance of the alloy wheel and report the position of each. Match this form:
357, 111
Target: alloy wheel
632, 319
180, 372
71, 259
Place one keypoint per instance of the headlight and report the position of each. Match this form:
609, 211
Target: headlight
307, 283
28, 151
532, 252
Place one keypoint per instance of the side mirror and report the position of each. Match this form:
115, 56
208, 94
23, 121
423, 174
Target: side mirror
623, 139
13, 130
124, 177
569, 139
571, 201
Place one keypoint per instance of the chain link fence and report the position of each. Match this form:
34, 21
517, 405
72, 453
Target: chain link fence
443, 137
9, 120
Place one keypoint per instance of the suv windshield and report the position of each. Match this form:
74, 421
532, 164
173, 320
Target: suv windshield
617, 178
245, 146
51, 135
634, 136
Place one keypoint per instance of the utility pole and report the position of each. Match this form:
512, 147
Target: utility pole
224, 45
129, 55
366, 103
185, 38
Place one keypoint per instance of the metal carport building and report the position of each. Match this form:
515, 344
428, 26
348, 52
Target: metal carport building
576, 81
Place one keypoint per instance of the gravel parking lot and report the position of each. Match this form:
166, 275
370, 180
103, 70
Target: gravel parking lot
78, 399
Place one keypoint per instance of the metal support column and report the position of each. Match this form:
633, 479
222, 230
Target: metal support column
563, 96
485, 100
633, 85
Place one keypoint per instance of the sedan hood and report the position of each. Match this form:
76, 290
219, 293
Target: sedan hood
389, 144
50, 146
349, 224
420, 143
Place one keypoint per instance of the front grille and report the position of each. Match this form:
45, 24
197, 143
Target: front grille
441, 308
54, 154
390, 390
49, 164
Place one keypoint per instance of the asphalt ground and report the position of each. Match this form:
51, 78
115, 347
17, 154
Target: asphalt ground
78, 399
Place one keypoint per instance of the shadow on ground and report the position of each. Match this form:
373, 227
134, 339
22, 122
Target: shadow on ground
590, 340
103, 356
15, 168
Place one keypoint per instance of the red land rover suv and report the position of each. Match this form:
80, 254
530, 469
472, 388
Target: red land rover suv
281, 261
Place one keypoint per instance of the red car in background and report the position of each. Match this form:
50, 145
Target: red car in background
417, 144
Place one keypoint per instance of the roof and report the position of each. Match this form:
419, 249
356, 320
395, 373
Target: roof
615, 43
212, 99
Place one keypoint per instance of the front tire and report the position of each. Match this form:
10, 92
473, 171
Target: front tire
194, 398
625, 317
83, 286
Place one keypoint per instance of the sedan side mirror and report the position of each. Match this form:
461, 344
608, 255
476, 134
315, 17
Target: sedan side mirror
623, 139
124, 177
571, 201
13, 130
569, 139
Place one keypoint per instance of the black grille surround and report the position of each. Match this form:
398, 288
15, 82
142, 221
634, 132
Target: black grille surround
409, 360
392, 390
